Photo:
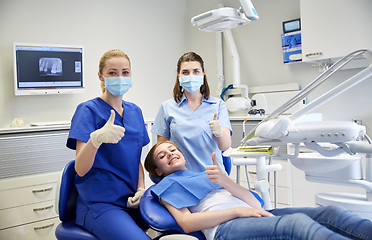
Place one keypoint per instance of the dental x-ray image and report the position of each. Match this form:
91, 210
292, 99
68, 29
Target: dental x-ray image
50, 67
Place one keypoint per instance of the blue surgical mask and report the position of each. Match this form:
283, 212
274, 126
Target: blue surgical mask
191, 83
118, 86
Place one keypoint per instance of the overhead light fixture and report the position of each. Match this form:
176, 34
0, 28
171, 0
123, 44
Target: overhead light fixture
225, 18
222, 20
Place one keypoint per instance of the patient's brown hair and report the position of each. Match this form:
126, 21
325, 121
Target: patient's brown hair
150, 165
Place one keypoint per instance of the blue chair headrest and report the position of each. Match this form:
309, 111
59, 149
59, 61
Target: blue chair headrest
227, 164
68, 193
154, 178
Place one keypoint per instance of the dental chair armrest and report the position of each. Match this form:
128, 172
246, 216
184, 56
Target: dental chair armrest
156, 215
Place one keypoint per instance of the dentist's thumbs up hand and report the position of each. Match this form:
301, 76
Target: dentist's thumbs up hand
214, 173
216, 126
109, 133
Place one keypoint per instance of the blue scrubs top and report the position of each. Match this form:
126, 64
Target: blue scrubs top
190, 129
114, 174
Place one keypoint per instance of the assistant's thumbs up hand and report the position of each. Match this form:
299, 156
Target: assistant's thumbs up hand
109, 133
216, 126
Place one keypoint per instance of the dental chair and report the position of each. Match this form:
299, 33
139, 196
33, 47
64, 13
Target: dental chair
158, 217
334, 150
66, 196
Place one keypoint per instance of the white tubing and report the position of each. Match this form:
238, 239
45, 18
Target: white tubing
349, 83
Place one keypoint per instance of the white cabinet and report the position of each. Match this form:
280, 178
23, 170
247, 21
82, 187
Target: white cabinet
43, 230
31, 160
27, 207
334, 28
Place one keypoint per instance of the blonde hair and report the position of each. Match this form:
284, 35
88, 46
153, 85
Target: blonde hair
108, 55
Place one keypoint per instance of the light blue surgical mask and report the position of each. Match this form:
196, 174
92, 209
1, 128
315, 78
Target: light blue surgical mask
191, 83
118, 86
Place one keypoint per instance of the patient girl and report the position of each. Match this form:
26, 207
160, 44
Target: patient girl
222, 209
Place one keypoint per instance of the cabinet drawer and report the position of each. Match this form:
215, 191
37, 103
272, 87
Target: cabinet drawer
282, 196
43, 230
27, 195
26, 214
279, 205
281, 177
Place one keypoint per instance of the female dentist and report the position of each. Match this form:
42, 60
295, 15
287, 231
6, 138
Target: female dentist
197, 122
108, 134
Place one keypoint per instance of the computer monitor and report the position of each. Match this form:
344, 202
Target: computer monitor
292, 25
42, 69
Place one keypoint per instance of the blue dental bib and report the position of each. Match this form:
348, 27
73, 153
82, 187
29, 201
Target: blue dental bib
184, 188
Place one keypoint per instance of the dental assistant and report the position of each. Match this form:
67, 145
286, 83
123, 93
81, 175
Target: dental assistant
197, 122
108, 134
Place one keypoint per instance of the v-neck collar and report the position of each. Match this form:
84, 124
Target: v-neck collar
110, 107
184, 101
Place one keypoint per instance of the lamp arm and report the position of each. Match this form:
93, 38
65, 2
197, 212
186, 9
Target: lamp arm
249, 10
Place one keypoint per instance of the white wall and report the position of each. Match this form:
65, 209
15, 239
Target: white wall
154, 34
151, 32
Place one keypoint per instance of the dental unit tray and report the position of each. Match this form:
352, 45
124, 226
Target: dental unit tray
261, 154
251, 151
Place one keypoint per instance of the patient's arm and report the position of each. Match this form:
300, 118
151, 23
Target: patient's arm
215, 175
191, 222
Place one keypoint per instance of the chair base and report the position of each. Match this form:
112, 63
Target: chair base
70, 231
199, 235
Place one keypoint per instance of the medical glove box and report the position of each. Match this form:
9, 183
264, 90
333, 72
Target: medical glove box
291, 46
292, 54
291, 39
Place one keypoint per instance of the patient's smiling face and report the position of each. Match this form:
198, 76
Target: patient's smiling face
168, 159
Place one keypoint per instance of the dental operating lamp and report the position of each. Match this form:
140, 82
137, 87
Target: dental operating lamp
225, 18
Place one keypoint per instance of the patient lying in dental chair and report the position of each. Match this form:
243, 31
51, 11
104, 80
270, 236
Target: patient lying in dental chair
222, 209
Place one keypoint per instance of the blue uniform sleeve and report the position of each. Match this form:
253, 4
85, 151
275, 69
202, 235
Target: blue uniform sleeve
83, 123
161, 126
